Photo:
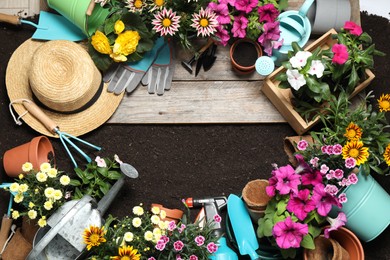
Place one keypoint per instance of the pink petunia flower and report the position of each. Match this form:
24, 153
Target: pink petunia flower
340, 53
199, 240
312, 178
324, 201
270, 36
339, 221
245, 5
239, 26
271, 188
288, 180
178, 245
212, 247
302, 145
353, 28
350, 163
222, 12
301, 204
268, 13
289, 234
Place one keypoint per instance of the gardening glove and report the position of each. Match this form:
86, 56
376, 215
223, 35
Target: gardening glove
159, 76
128, 75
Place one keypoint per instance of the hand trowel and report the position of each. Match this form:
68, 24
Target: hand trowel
242, 227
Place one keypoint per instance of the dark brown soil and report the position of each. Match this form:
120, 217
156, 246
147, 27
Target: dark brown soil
180, 161
245, 54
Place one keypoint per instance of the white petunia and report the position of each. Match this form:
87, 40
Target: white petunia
295, 79
316, 68
299, 60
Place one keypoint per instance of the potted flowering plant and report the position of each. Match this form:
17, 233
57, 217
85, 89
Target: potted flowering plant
303, 197
147, 235
39, 193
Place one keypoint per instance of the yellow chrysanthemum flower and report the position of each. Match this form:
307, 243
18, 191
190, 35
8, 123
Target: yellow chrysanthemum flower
353, 132
23, 187
21, 176
148, 235
137, 210
384, 102
14, 187
15, 214
65, 180
41, 176
155, 219
48, 205
125, 44
128, 253
356, 150
57, 195
31, 205
386, 155
100, 43
45, 167
18, 197
49, 192
136, 222
42, 221
119, 27
52, 173
155, 210
163, 225
163, 214
128, 236
94, 236
26, 167
32, 214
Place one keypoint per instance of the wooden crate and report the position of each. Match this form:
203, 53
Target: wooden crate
281, 98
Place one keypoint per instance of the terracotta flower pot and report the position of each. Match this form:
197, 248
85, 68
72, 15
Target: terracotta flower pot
172, 214
243, 55
256, 198
37, 151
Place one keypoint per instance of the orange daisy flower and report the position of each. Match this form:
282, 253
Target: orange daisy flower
356, 150
386, 155
384, 102
353, 132
128, 253
94, 236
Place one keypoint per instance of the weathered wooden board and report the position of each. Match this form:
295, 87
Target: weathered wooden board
216, 96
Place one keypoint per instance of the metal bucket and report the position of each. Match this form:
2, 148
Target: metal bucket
62, 237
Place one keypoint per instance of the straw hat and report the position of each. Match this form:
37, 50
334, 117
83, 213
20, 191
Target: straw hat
61, 78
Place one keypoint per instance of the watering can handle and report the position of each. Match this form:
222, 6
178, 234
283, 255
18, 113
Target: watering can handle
11, 19
41, 116
90, 8
305, 7
35, 252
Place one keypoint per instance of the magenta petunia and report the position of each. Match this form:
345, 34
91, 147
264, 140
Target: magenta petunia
312, 178
245, 5
268, 13
223, 35
271, 188
239, 26
289, 234
340, 53
212, 247
324, 200
353, 28
301, 204
339, 221
222, 12
178, 245
288, 180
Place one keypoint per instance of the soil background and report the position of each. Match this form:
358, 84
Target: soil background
180, 161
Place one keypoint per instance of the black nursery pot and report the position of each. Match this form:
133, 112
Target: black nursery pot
243, 55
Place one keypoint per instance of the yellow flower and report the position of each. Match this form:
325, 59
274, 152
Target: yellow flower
119, 27
42, 221
127, 253
163, 214
384, 102
163, 224
31, 205
100, 43
64, 180
48, 205
353, 132
18, 197
14, 187
49, 192
159, 3
148, 235
32, 214
356, 150
57, 195
137, 210
157, 234
155, 210
94, 236
45, 167
23, 187
21, 176
386, 155
15, 214
155, 219
41, 176
136, 222
26, 167
128, 236
125, 44
52, 173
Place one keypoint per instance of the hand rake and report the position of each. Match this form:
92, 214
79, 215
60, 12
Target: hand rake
52, 127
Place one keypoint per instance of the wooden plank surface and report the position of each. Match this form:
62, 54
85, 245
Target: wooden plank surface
216, 96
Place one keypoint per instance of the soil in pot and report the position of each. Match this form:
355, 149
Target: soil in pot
245, 54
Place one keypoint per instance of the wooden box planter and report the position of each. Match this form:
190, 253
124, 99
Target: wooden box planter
281, 98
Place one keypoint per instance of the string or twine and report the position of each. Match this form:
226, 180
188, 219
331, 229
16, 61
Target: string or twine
18, 101
13, 227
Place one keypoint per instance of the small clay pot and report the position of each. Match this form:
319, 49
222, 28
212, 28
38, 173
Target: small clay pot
37, 151
326, 248
243, 55
256, 198
172, 214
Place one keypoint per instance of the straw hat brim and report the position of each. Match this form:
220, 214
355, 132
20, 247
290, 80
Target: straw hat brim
17, 84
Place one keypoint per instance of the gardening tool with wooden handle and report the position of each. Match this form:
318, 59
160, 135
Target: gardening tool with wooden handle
188, 64
52, 126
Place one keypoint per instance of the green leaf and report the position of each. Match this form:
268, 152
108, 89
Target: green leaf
103, 171
308, 242
74, 182
267, 229
281, 207
114, 175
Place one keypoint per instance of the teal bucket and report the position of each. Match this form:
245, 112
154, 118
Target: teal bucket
367, 208
76, 12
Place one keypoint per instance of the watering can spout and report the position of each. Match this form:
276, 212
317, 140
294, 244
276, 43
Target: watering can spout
265, 65
305, 7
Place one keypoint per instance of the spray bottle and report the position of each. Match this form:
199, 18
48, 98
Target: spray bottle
212, 207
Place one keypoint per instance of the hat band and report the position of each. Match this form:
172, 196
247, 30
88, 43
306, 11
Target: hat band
82, 108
